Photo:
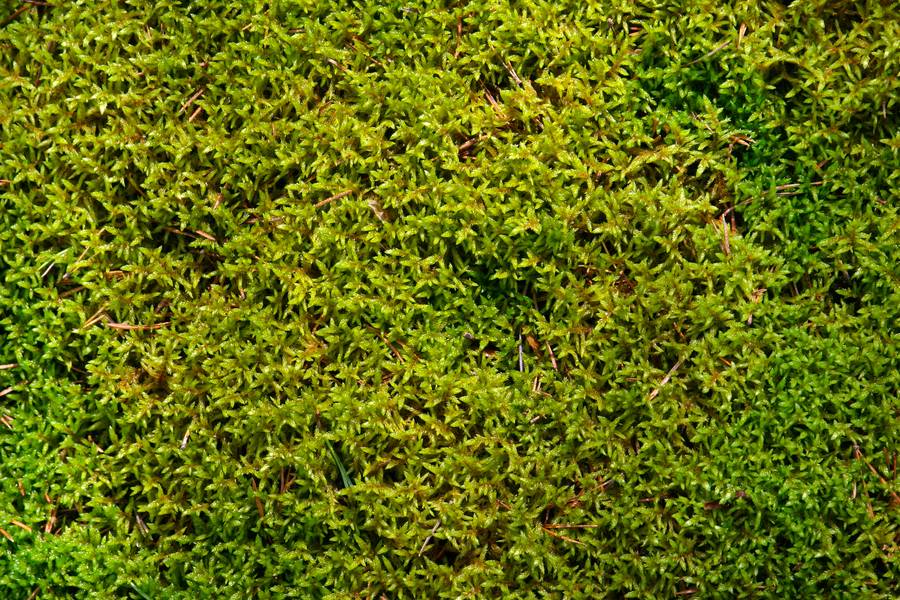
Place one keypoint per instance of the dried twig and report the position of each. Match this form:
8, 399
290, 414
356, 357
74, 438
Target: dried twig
725, 228
560, 536
512, 72
710, 53
552, 357
187, 435
127, 327
430, 535
521, 360
665, 379
331, 199
8, 366
141, 525
21, 525
191, 100
895, 499
568, 526
6, 391
48, 527
5, 22
94, 319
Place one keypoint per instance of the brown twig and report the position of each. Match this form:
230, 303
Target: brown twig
48, 527
512, 72
191, 100
725, 228
895, 499
665, 379
552, 357
6, 391
10, 19
127, 327
568, 526
21, 525
430, 535
561, 536
259, 505
469, 143
331, 199
142, 527
710, 53
521, 360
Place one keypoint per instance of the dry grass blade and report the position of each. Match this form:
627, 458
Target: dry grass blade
665, 379
128, 327
21, 525
331, 199
560, 536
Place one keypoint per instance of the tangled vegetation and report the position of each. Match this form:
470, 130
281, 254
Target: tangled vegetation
480, 299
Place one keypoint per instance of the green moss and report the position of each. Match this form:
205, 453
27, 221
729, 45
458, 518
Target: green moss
420, 300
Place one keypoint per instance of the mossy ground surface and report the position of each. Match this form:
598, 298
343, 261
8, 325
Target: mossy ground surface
449, 300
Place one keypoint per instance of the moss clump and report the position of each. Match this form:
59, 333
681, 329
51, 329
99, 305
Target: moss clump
419, 300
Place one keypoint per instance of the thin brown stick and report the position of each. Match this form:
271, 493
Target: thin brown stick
8, 366
725, 228
561, 536
48, 527
521, 360
710, 53
552, 357
469, 143
127, 327
21, 525
568, 526
430, 535
8, 390
665, 379
205, 235
10, 19
191, 100
5, 534
331, 199
895, 499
